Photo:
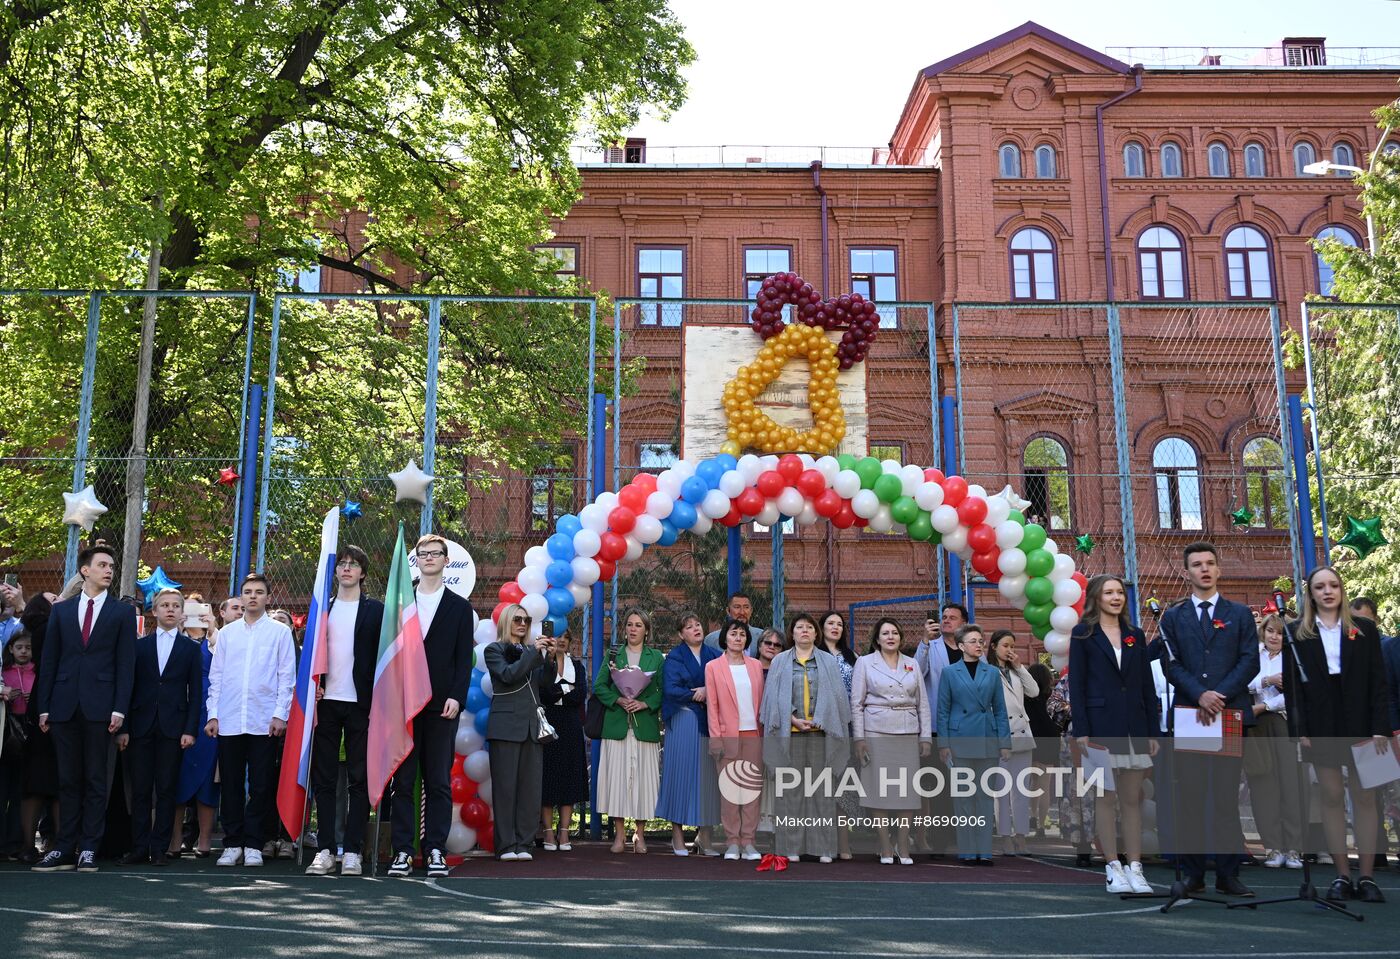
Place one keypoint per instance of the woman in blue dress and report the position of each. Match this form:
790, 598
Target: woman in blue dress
689, 793
199, 764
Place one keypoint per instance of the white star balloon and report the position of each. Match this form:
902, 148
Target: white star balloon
411, 483
82, 508
1010, 496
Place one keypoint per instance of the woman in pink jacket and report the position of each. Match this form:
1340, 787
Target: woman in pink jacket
733, 690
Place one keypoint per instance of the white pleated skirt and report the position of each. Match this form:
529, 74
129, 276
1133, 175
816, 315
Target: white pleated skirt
629, 777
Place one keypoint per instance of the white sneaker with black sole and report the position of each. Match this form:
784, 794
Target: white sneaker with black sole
402, 865
322, 865
437, 864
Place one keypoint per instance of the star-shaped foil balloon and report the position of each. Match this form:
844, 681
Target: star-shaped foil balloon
411, 483
1242, 516
228, 476
82, 508
1084, 544
299, 620
352, 510
1010, 496
154, 583
1363, 536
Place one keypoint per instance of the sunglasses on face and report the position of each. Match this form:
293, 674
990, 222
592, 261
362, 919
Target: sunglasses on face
522, 619
772, 645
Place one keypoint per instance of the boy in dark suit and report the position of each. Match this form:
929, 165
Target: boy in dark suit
163, 721
82, 696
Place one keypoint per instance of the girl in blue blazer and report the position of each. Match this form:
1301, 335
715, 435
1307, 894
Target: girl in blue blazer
972, 720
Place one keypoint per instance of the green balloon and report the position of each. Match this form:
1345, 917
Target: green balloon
869, 471
1017, 517
1039, 562
919, 528
1039, 590
1040, 631
936, 539
1033, 539
846, 461
888, 487
904, 509
1038, 614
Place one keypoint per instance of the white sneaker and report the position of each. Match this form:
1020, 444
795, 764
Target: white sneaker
231, 857
751, 854
509, 857
732, 853
402, 865
323, 864
251, 857
1137, 880
828, 859
1293, 860
1115, 879
350, 864
524, 857
1324, 859
1275, 859
887, 860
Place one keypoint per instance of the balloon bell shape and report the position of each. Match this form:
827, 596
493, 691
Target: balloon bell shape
750, 427
411, 483
154, 583
1363, 536
82, 508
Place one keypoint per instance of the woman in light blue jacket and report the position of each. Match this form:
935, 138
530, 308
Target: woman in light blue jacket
974, 735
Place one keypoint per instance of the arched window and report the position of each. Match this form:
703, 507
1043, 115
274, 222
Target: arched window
1263, 483
1177, 473
1342, 156
1171, 160
1324, 272
1303, 154
1218, 159
1133, 162
1045, 162
1045, 480
1009, 161
1247, 264
1253, 160
1162, 264
1032, 265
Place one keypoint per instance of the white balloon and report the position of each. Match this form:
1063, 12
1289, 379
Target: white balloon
587, 542
702, 524
467, 735
531, 579
998, 510
538, 556
955, 540
608, 501
791, 501
1062, 570
586, 570
483, 793
485, 632
461, 837
1057, 643
685, 469
1012, 586
479, 655
882, 521
582, 594
1009, 534
846, 483
929, 496
1064, 618
669, 483
536, 605
463, 744
808, 462
593, 517
82, 508
944, 519
1067, 592
976, 492
1011, 562
477, 766
487, 686
1051, 547
890, 466
715, 504
769, 515
660, 504
865, 503
731, 483
912, 477
1018, 601
634, 549
828, 466
647, 530
1059, 663
808, 516
770, 462
749, 468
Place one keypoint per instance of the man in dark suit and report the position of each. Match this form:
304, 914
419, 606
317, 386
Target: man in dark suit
1213, 650
82, 696
163, 720
447, 624
342, 712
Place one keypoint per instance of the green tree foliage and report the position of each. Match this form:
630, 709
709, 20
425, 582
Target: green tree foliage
420, 146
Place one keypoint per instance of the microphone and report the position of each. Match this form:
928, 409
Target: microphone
1280, 601
1154, 606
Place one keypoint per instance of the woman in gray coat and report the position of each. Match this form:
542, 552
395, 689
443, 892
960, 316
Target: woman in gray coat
517, 758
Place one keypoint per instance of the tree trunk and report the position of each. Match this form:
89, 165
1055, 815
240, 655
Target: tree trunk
136, 460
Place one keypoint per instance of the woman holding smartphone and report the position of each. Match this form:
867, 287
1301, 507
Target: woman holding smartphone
562, 681
513, 730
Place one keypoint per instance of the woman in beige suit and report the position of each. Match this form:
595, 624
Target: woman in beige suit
890, 719
1017, 685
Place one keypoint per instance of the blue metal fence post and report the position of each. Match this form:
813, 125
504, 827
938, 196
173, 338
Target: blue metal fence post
1299, 454
933, 418
243, 501
430, 397
1127, 514
734, 561
950, 459
80, 455
1316, 440
598, 459
247, 490
779, 603
1286, 441
268, 420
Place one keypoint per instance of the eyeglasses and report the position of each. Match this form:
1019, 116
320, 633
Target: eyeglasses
348, 564
429, 554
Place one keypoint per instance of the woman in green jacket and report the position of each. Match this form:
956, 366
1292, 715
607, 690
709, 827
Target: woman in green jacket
629, 771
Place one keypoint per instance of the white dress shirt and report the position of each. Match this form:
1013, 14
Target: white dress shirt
340, 660
252, 676
1270, 697
1332, 645
98, 602
165, 642
1213, 600
743, 695
427, 608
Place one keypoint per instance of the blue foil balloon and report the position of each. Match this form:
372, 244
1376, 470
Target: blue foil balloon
477, 700
559, 573
157, 581
693, 490
482, 720
561, 546
668, 533
568, 525
682, 515
560, 601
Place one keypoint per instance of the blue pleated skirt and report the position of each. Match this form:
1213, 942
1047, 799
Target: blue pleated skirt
689, 789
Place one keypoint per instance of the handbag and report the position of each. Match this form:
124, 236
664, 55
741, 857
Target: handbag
547, 733
593, 716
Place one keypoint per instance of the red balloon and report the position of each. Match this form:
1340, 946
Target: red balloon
984, 563
645, 482
994, 576
613, 547
607, 568
790, 467
932, 475
828, 504
971, 511
633, 497
732, 518
476, 813
844, 517
750, 502
459, 788
486, 840
771, 483
510, 593
621, 520
981, 538
1081, 579
496, 613
457, 770
811, 483
862, 522
954, 490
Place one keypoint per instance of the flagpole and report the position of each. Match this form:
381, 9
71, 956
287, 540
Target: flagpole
374, 844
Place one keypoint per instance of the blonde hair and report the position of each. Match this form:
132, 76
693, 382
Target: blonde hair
510, 611
1272, 621
1307, 622
646, 622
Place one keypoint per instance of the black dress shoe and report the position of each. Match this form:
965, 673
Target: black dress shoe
1368, 891
159, 859
1231, 886
30, 857
1195, 884
1340, 890
135, 858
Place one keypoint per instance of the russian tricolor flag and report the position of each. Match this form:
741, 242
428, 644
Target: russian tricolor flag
294, 779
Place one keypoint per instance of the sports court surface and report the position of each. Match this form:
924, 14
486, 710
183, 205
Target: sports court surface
660, 905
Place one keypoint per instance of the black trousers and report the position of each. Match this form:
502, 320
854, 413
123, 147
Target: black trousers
1207, 813
83, 749
251, 759
433, 741
335, 719
153, 766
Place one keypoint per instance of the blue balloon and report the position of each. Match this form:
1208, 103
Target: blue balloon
559, 573
560, 546
560, 601
682, 515
693, 490
710, 471
668, 533
561, 623
481, 720
477, 675
477, 700
157, 581
726, 462
568, 525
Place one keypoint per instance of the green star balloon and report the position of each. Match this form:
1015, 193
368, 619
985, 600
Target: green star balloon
1363, 536
1242, 517
1084, 544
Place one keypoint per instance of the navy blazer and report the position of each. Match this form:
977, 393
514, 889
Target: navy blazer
166, 702
1224, 658
1106, 700
681, 674
90, 682
1390, 655
448, 645
972, 712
